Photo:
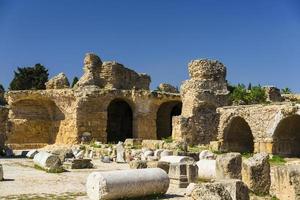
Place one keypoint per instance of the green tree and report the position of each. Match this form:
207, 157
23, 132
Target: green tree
257, 94
241, 95
286, 90
30, 78
249, 86
75, 80
2, 100
2, 88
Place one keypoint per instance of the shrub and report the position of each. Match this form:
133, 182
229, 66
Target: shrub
240, 95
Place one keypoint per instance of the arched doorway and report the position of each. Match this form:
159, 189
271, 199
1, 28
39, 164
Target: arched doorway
119, 121
238, 136
286, 138
164, 118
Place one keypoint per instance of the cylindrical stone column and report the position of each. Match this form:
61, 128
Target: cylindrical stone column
127, 183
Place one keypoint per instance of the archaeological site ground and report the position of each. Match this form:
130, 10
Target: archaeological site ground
111, 137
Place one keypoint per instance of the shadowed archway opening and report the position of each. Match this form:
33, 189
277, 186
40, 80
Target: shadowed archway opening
286, 139
119, 121
164, 116
238, 136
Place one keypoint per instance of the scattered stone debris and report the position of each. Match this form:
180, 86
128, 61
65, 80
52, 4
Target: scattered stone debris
229, 166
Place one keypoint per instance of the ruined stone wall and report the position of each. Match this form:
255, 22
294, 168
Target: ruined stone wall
263, 121
116, 76
37, 118
3, 124
201, 95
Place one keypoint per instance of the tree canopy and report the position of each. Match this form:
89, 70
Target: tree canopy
30, 78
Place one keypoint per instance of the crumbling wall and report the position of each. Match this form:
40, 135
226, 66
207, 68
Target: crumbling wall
115, 76
3, 125
201, 95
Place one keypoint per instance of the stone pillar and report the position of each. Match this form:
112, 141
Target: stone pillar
127, 183
201, 95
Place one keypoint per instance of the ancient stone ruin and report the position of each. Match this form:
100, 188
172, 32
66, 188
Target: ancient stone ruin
166, 140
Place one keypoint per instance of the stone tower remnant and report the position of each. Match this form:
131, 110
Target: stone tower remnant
201, 95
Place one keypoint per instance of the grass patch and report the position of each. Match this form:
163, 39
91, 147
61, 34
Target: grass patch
63, 196
247, 155
277, 160
54, 171
168, 139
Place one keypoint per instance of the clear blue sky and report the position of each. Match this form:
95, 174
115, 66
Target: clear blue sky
258, 40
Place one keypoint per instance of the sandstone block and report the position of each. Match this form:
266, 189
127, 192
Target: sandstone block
152, 144
207, 155
138, 164
237, 189
210, 191
206, 169
178, 175
177, 159
120, 184
229, 166
59, 81
256, 173
78, 164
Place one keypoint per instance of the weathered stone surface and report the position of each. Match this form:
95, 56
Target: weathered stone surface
210, 191
207, 169
177, 159
152, 144
133, 142
138, 164
207, 155
120, 153
178, 175
1, 173
229, 166
192, 172
237, 189
201, 95
79, 155
47, 161
166, 153
119, 184
285, 182
59, 81
273, 94
92, 68
164, 87
63, 153
256, 173
31, 153
115, 76
78, 164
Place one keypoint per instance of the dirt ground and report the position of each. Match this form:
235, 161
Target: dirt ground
23, 181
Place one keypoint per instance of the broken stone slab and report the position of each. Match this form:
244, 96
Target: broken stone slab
47, 161
229, 166
207, 155
177, 159
1, 173
153, 144
79, 155
178, 175
133, 142
166, 153
78, 164
206, 169
209, 191
120, 153
237, 189
31, 153
256, 173
285, 181
121, 184
138, 164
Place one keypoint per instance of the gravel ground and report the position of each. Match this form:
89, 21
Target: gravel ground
23, 181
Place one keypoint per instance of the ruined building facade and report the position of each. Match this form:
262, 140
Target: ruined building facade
112, 103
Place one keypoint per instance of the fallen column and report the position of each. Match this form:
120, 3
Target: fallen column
47, 161
127, 183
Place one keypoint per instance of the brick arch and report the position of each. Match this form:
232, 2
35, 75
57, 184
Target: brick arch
35, 121
119, 120
286, 136
165, 112
237, 136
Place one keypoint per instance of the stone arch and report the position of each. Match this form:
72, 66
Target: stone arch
286, 137
164, 118
35, 121
119, 121
237, 136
